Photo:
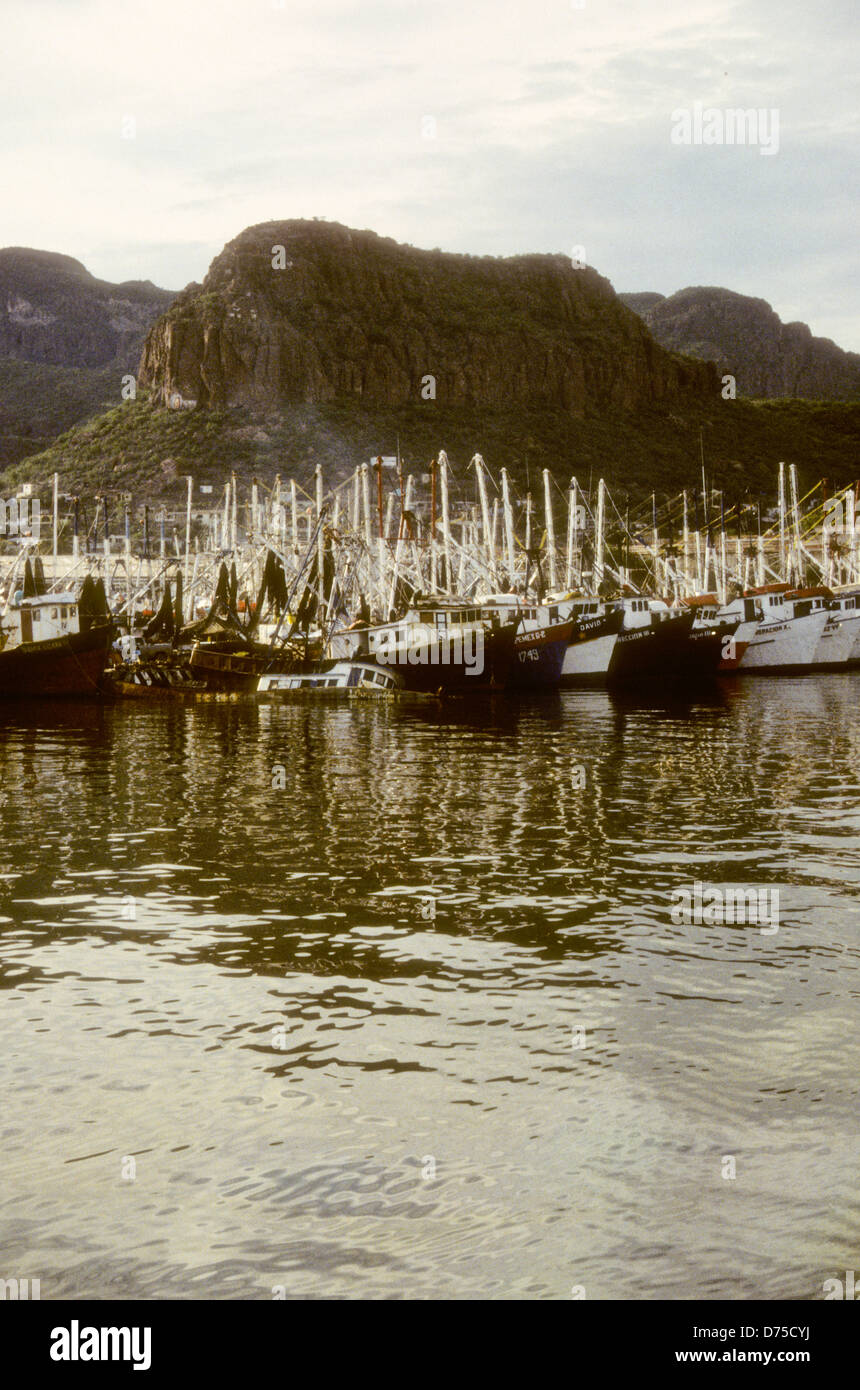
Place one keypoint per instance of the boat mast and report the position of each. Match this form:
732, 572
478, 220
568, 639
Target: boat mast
509, 527
320, 536
795, 519
723, 585
187, 575
571, 531
433, 565
599, 525
782, 554
56, 526
550, 528
446, 525
489, 548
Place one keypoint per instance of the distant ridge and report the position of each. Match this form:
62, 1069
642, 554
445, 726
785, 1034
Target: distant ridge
54, 312
745, 337
66, 340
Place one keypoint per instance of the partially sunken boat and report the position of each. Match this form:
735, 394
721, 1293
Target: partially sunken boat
333, 680
435, 647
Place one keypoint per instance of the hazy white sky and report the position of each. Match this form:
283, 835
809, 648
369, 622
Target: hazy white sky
494, 126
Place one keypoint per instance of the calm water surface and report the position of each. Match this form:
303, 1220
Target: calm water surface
241, 988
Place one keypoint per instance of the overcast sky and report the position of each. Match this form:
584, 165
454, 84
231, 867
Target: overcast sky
490, 126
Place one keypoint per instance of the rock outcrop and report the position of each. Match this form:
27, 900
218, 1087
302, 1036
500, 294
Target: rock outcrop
313, 312
747, 339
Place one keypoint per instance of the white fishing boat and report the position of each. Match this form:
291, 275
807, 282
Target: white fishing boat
787, 638
745, 612
839, 645
592, 642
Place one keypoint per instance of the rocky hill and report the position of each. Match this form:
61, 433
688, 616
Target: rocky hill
54, 312
642, 303
66, 339
744, 337
310, 344
342, 315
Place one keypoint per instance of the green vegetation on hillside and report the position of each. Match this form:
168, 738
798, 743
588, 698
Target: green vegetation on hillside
146, 450
38, 402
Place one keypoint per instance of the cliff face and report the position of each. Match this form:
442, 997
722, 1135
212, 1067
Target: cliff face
745, 337
354, 316
53, 312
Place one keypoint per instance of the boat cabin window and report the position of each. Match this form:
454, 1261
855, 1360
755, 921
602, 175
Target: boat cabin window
379, 678
553, 614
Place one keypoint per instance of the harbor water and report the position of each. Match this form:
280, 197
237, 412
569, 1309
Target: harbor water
389, 1000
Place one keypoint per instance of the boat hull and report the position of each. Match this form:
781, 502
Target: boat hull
656, 652
706, 648
786, 646
73, 664
539, 657
589, 652
236, 670
838, 641
448, 665
733, 654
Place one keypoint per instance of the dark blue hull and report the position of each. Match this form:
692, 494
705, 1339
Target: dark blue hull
538, 659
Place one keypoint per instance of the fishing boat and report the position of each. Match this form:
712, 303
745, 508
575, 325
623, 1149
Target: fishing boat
440, 646
711, 639
786, 640
231, 646
596, 626
233, 665
746, 614
839, 644
54, 644
155, 675
653, 643
543, 634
